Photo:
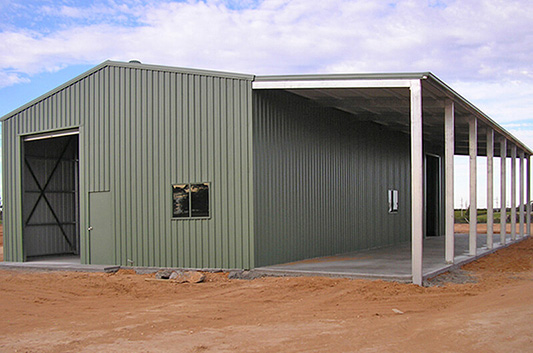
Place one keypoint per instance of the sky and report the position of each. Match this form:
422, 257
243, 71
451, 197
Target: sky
481, 48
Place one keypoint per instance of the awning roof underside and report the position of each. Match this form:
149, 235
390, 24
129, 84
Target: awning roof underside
391, 107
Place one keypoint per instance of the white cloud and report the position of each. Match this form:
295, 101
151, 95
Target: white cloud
474, 39
8, 79
482, 48
524, 135
508, 100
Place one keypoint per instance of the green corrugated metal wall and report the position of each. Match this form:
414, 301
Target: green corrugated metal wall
321, 180
47, 115
143, 129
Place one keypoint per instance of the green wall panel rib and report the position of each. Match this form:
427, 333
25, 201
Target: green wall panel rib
321, 179
142, 130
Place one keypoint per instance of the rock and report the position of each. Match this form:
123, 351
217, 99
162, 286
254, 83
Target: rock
246, 275
194, 277
453, 276
163, 274
397, 311
180, 276
175, 274
235, 274
241, 274
187, 277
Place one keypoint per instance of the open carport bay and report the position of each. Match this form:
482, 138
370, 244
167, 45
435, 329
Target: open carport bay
390, 263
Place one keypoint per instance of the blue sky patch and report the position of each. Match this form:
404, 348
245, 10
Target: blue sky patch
13, 97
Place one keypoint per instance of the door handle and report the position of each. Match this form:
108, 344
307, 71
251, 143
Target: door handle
90, 228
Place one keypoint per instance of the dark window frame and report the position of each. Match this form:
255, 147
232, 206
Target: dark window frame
190, 197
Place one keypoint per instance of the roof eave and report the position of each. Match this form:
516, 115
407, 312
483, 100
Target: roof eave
364, 76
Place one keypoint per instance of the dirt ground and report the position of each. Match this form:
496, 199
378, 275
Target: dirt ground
1, 243
491, 310
482, 228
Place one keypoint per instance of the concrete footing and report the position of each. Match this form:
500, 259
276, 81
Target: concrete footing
391, 263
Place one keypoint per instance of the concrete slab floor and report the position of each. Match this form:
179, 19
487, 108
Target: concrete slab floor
390, 263
55, 259
54, 263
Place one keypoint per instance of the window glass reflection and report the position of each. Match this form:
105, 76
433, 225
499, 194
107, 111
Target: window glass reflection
200, 200
181, 200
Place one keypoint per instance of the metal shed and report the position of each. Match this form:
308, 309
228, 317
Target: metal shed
145, 165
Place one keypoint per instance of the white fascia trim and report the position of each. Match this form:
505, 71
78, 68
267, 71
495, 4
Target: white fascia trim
400, 83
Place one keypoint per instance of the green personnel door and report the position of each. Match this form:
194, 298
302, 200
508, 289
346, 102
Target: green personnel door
101, 239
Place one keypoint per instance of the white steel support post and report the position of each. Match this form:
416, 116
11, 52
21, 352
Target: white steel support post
503, 196
490, 188
417, 196
513, 192
472, 142
528, 195
521, 194
449, 151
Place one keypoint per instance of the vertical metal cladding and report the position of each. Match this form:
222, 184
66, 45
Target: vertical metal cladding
321, 179
181, 128
56, 113
142, 129
11, 203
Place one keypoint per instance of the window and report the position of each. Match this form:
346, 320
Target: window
190, 200
393, 201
